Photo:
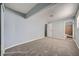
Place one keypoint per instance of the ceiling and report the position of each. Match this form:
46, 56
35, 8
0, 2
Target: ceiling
21, 7
54, 11
60, 11
26, 9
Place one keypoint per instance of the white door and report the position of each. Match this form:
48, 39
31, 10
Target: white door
49, 30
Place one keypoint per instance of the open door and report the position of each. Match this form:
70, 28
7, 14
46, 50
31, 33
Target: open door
69, 30
45, 30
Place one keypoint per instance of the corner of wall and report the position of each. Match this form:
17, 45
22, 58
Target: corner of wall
76, 43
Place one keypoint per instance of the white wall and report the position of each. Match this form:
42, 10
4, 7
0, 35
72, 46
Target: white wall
19, 30
76, 29
57, 28
50, 30
2, 29
77, 37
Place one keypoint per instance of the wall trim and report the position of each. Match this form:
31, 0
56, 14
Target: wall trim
24, 42
76, 43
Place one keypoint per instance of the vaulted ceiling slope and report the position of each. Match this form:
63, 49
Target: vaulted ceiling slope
26, 9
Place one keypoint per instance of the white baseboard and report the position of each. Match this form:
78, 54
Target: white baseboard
76, 43
23, 42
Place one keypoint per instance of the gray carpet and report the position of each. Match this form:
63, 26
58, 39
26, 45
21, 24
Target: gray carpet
45, 47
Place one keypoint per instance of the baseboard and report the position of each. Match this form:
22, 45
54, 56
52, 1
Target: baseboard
23, 42
76, 43
57, 38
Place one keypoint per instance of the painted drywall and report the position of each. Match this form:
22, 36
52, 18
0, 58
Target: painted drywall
77, 37
18, 30
56, 29
2, 29
50, 30
76, 30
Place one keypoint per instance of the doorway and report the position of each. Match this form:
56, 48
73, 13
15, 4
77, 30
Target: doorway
69, 30
45, 30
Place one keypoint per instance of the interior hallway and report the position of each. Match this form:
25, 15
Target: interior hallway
45, 47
